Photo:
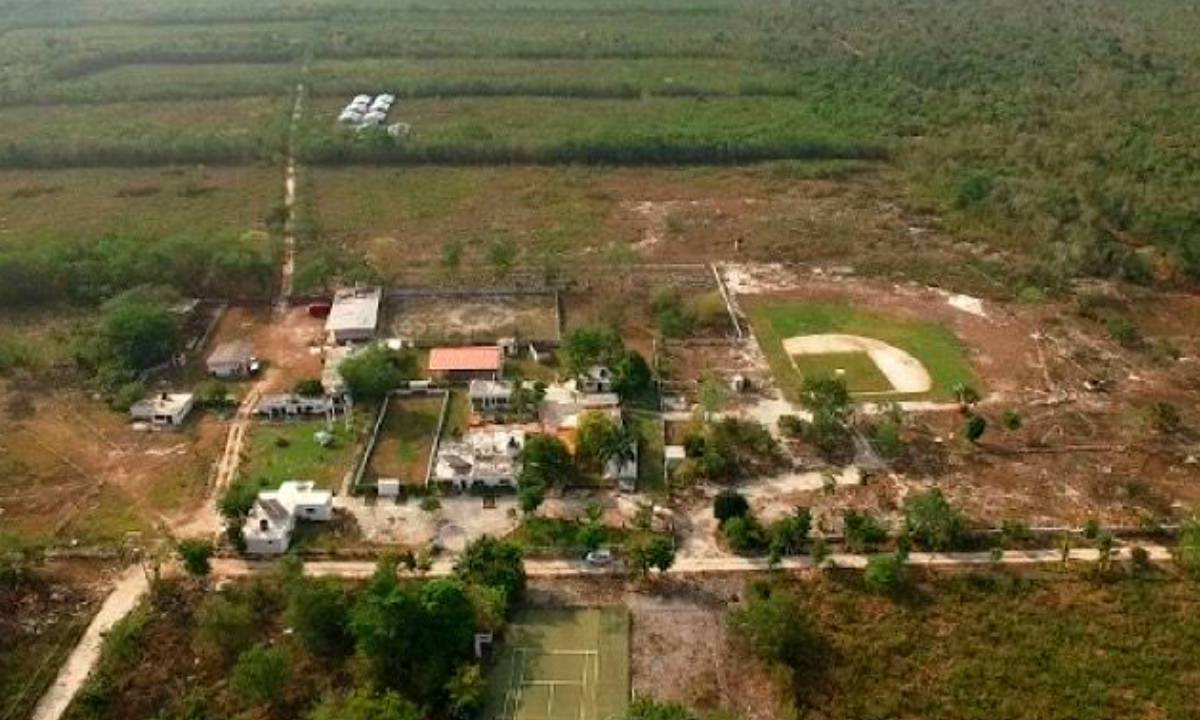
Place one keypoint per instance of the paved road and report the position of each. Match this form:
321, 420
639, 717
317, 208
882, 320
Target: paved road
124, 598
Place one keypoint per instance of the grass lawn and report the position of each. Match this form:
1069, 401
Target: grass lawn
287, 451
555, 536
861, 373
649, 429
775, 320
406, 439
458, 415
981, 647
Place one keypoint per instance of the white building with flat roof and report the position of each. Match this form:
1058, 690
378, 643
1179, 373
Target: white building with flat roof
485, 457
163, 409
354, 315
269, 526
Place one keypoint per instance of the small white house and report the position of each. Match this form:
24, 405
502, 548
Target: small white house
233, 359
269, 526
163, 409
284, 406
388, 487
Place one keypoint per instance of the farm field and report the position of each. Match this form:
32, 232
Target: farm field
628, 78
86, 204
219, 131
405, 440
934, 346
648, 131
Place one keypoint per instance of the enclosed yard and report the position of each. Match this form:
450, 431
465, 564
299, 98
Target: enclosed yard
406, 439
289, 451
475, 319
562, 665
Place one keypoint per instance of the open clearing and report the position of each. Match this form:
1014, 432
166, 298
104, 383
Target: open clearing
562, 665
781, 328
475, 320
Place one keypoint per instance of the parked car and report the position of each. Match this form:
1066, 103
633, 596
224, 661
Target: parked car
599, 558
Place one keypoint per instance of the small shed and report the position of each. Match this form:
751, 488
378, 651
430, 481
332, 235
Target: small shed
233, 359
388, 487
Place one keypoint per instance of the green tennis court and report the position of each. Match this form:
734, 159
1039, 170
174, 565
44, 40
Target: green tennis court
562, 665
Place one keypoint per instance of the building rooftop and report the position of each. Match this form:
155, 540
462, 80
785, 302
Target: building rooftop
354, 309
479, 389
485, 357
161, 404
233, 351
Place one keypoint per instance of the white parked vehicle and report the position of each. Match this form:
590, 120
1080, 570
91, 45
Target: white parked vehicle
350, 117
361, 100
599, 558
374, 118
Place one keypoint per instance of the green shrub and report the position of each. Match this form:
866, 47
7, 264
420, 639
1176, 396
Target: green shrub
863, 532
933, 523
729, 504
885, 573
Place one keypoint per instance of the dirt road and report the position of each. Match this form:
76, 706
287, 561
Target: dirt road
124, 598
288, 268
232, 568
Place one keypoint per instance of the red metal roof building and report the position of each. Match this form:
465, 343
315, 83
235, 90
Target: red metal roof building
467, 362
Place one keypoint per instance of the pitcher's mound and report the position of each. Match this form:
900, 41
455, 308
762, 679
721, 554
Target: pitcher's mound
902, 371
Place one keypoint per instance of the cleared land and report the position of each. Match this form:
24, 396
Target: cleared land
405, 439
934, 345
562, 664
475, 320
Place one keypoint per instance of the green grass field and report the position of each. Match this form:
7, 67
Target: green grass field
775, 320
861, 373
287, 451
562, 665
